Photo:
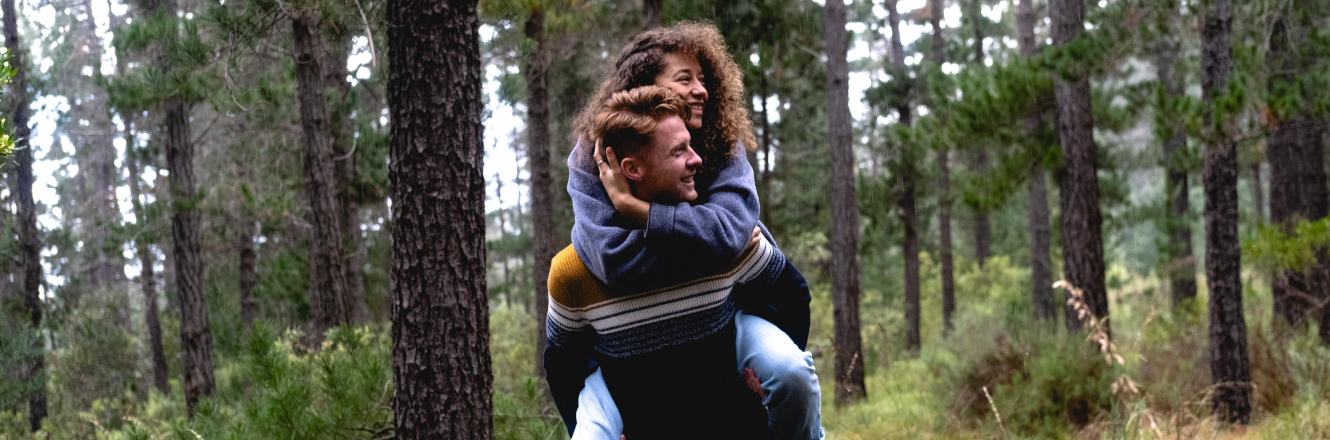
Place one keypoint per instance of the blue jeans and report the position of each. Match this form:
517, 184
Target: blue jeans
793, 401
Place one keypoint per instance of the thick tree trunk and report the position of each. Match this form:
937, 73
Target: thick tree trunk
344, 158
542, 185
906, 202
1297, 171
329, 296
1041, 263
844, 215
147, 277
652, 9
442, 380
939, 55
29, 244
1082, 240
1223, 260
1181, 266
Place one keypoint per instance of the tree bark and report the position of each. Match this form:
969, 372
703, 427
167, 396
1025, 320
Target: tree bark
1082, 240
29, 243
1041, 263
652, 10
1223, 264
542, 185
907, 177
147, 275
195, 336
939, 56
329, 296
441, 359
844, 215
1180, 269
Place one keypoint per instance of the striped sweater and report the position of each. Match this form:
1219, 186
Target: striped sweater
667, 354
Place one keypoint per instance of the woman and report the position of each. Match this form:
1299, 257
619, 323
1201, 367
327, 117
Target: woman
690, 59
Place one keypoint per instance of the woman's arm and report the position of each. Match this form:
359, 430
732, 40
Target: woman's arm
714, 232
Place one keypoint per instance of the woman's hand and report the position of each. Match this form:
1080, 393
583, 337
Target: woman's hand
616, 185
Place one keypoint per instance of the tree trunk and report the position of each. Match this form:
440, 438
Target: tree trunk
983, 228
939, 55
652, 9
442, 380
329, 296
1223, 264
29, 244
344, 158
195, 336
1297, 168
147, 277
907, 175
1082, 240
1041, 263
244, 242
542, 185
844, 215
1181, 266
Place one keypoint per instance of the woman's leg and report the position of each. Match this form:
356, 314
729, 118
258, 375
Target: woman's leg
597, 415
794, 400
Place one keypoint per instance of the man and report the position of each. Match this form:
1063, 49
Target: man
667, 345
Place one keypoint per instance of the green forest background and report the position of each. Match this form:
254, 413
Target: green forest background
998, 371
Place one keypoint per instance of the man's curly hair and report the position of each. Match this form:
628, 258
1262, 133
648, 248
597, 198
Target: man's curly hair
724, 120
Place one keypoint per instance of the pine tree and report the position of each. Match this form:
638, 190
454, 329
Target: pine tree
1082, 239
1229, 371
983, 227
196, 337
535, 71
844, 242
29, 243
906, 178
1041, 263
1297, 161
329, 296
441, 358
1181, 266
939, 56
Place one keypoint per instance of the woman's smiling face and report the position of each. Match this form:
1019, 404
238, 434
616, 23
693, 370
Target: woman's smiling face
683, 74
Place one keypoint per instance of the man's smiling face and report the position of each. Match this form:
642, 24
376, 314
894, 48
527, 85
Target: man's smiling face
668, 165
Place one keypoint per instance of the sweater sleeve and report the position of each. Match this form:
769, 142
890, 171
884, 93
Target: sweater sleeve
714, 232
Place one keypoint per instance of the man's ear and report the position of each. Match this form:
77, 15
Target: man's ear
632, 169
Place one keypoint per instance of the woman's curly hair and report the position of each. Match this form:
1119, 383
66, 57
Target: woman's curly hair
724, 120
